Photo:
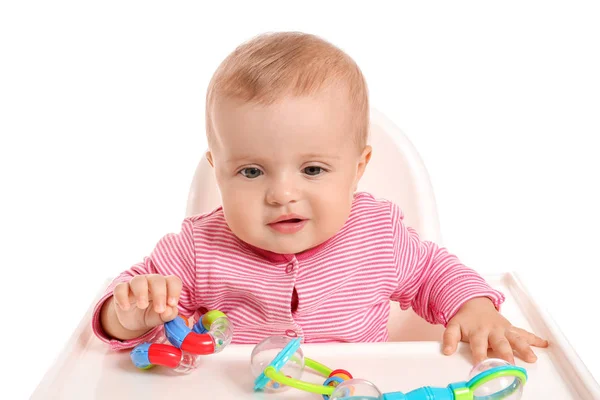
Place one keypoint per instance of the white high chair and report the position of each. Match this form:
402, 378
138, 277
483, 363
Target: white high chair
408, 186
86, 368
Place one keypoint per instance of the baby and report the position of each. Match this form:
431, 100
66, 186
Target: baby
295, 250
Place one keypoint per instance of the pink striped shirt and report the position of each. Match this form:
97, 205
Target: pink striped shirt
337, 291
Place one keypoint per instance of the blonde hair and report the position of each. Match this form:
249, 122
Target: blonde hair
273, 65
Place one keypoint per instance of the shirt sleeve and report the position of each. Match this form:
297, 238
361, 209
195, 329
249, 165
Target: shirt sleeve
430, 279
173, 255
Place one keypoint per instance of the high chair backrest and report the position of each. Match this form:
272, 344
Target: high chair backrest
395, 172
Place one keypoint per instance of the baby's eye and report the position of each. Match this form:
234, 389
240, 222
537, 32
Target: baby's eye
251, 173
313, 171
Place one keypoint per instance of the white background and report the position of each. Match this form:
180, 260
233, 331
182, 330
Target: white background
102, 124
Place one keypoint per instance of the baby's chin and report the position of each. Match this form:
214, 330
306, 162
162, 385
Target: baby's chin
283, 243
297, 243
289, 244
285, 248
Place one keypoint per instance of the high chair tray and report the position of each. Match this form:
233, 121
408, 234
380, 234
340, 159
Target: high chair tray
87, 369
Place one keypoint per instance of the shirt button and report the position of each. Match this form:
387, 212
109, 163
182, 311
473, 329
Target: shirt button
291, 333
289, 268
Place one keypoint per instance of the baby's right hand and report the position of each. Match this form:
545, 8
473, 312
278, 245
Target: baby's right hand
146, 301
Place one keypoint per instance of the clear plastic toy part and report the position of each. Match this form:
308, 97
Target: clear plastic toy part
211, 334
278, 363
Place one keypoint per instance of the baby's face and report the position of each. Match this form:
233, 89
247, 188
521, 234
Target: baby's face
287, 172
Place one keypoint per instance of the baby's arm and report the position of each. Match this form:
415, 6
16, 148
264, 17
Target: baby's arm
442, 290
150, 293
431, 280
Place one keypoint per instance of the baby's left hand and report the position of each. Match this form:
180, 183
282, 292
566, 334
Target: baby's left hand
479, 323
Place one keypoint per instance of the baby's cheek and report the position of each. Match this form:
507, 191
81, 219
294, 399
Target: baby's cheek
334, 209
239, 222
237, 209
232, 208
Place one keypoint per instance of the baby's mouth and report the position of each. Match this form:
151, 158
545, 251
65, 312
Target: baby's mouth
288, 223
288, 219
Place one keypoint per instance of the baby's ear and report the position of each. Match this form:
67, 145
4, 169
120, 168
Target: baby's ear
365, 157
210, 159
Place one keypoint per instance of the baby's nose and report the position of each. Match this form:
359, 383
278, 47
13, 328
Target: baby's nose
282, 193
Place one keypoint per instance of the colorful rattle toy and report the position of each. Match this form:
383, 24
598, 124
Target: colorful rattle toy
492, 379
209, 335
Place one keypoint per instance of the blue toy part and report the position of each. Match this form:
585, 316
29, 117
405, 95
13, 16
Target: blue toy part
139, 356
278, 363
176, 331
422, 393
462, 390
